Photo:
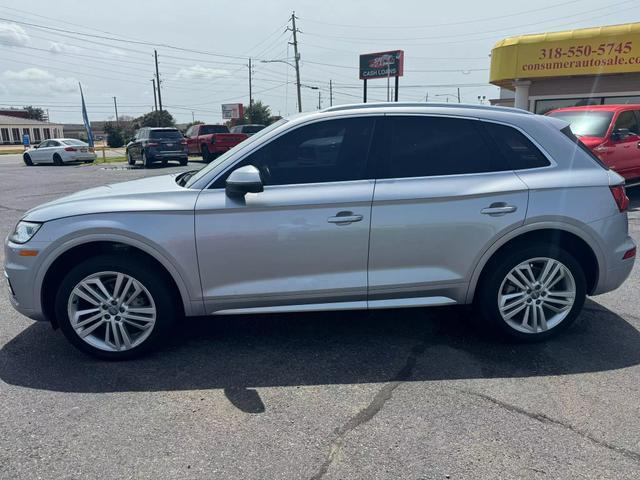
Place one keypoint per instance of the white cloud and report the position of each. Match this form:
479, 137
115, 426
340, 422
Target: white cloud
13, 35
59, 47
201, 73
36, 81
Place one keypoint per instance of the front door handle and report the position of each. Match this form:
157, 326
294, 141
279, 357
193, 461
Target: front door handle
344, 218
498, 209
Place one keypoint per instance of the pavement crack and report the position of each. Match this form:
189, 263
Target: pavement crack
370, 411
542, 418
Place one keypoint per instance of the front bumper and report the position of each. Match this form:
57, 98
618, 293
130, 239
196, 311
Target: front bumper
20, 273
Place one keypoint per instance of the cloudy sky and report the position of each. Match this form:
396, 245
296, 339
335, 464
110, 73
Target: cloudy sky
47, 47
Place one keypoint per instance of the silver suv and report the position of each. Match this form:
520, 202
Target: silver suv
353, 207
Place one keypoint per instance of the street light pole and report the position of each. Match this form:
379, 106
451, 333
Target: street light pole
115, 105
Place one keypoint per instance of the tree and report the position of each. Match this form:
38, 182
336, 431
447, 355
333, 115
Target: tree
115, 134
257, 113
155, 119
35, 113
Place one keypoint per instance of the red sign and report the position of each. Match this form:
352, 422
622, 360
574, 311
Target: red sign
382, 64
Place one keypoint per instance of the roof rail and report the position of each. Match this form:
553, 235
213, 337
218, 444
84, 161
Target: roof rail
354, 106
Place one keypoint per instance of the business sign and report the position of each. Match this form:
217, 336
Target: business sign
382, 64
596, 51
232, 111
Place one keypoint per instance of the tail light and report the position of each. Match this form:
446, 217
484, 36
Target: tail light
70, 149
152, 144
629, 253
620, 196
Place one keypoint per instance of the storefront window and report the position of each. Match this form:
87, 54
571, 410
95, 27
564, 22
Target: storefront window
622, 100
546, 105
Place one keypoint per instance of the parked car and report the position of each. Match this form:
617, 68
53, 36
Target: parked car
59, 151
250, 129
612, 132
210, 141
353, 207
157, 144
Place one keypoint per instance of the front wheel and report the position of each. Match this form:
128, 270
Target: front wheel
115, 307
206, 156
533, 293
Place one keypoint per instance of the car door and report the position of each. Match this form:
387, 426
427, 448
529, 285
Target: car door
302, 243
625, 156
42, 153
54, 147
192, 140
444, 193
137, 144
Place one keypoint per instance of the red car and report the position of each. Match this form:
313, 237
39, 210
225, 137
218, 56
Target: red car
612, 132
211, 141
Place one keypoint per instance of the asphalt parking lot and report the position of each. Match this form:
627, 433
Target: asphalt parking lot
397, 394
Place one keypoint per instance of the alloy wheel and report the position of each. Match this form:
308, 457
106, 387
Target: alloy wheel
111, 311
536, 295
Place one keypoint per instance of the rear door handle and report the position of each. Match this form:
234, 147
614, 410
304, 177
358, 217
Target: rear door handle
498, 209
344, 218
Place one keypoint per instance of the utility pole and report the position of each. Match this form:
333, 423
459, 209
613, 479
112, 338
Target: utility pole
115, 105
297, 57
155, 101
158, 79
319, 99
250, 94
330, 93
193, 117
426, 98
458, 94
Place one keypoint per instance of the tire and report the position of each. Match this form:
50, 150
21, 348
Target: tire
146, 161
155, 307
27, 160
184, 161
130, 159
164, 163
528, 311
57, 160
206, 156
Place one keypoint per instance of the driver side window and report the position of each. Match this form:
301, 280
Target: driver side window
326, 151
627, 120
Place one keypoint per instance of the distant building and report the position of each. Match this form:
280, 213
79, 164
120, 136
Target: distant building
13, 128
77, 130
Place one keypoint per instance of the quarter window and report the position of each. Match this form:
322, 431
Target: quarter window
517, 149
430, 146
328, 151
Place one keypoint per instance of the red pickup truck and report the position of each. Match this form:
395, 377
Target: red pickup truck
211, 141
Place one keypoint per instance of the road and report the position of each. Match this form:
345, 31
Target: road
398, 394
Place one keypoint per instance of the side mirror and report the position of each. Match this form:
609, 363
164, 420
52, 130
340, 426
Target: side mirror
244, 180
620, 134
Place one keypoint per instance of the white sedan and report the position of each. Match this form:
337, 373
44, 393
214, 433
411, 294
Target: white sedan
59, 151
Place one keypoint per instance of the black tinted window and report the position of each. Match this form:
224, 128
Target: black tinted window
165, 135
627, 120
515, 147
209, 129
329, 151
429, 146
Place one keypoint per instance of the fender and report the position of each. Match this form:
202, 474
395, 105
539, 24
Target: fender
556, 223
191, 306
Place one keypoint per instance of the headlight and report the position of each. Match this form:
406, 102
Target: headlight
24, 231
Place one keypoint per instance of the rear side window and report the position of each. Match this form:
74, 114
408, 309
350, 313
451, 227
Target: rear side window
209, 129
627, 120
430, 146
165, 135
517, 149
567, 131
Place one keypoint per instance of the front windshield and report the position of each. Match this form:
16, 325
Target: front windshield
222, 158
586, 123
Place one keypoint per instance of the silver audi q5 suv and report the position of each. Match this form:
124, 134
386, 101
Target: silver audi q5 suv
353, 207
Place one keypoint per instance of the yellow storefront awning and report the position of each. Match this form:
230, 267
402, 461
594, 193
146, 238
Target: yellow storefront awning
585, 51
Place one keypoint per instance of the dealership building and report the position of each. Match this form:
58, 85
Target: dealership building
587, 66
12, 129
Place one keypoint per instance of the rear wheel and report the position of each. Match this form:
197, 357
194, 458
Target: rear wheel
146, 161
184, 161
57, 159
130, 159
27, 160
206, 156
114, 307
532, 294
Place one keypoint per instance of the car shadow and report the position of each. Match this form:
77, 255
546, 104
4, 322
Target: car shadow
241, 353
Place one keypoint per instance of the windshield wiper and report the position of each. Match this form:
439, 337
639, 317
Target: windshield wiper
183, 178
